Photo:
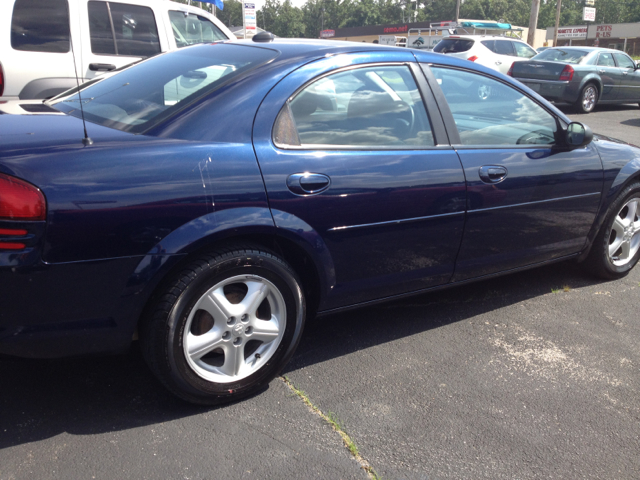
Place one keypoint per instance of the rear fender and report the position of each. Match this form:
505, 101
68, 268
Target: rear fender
212, 229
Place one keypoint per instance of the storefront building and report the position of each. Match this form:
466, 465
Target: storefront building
620, 36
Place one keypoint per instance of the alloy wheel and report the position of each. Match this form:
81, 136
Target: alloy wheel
624, 238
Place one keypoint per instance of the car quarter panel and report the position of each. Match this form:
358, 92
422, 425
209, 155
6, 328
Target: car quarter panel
391, 219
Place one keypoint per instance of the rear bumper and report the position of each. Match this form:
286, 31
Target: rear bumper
59, 310
554, 90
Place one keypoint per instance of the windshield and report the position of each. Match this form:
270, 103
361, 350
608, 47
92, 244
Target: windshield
450, 45
561, 55
142, 96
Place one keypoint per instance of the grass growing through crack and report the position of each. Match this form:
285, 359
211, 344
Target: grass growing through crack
565, 288
335, 423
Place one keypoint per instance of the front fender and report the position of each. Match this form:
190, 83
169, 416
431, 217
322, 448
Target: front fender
621, 164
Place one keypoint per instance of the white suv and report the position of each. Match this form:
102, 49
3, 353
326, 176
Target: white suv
495, 52
41, 36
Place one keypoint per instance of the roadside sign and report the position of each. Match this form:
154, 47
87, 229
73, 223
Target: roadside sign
589, 14
249, 19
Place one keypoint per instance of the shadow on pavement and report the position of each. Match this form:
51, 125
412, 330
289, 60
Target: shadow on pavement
84, 396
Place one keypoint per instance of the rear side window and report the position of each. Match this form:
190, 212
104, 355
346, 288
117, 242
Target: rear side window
189, 29
134, 27
40, 26
606, 60
367, 107
453, 45
490, 44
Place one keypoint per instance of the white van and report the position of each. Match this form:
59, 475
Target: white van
41, 37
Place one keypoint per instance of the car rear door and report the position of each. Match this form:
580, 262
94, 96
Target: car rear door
355, 164
118, 34
529, 199
610, 74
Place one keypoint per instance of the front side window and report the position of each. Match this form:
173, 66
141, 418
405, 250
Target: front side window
40, 26
523, 50
144, 95
624, 61
373, 106
504, 47
100, 31
488, 112
189, 29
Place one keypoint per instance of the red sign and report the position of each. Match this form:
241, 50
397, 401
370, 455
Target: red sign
327, 33
402, 29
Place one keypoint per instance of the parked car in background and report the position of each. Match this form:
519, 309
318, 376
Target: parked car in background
355, 173
581, 76
496, 52
41, 37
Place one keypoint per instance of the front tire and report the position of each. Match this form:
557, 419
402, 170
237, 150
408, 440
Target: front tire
616, 248
588, 99
224, 326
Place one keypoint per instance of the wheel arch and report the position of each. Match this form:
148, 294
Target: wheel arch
302, 249
627, 175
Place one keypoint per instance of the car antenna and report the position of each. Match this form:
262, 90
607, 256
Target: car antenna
85, 140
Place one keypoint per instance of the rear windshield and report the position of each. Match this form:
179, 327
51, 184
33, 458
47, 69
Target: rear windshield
453, 45
561, 55
146, 94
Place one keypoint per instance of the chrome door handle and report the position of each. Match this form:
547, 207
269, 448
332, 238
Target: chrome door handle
308, 183
492, 173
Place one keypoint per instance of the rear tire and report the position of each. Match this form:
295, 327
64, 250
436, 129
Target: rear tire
588, 99
224, 326
616, 248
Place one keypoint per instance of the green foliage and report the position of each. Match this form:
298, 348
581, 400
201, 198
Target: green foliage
283, 19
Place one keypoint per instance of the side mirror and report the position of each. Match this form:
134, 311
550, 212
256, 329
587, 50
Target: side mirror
578, 135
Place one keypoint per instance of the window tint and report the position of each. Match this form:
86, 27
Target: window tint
100, 29
524, 50
136, 32
504, 47
365, 107
606, 60
40, 26
562, 55
488, 112
623, 61
189, 29
140, 97
453, 45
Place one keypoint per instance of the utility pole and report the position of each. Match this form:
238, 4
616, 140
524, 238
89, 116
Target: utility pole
458, 10
555, 32
533, 21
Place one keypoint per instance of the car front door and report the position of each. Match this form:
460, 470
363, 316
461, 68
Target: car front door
529, 199
355, 164
630, 83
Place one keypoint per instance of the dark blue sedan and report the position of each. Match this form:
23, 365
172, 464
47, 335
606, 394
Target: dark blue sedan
224, 193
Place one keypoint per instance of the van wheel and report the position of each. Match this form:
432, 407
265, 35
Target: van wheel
224, 326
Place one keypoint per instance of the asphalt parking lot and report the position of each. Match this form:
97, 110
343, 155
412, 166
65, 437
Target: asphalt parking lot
532, 375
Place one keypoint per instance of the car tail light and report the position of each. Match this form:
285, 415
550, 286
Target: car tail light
510, 72
20, 200
567, 73
473, 58
1, 81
